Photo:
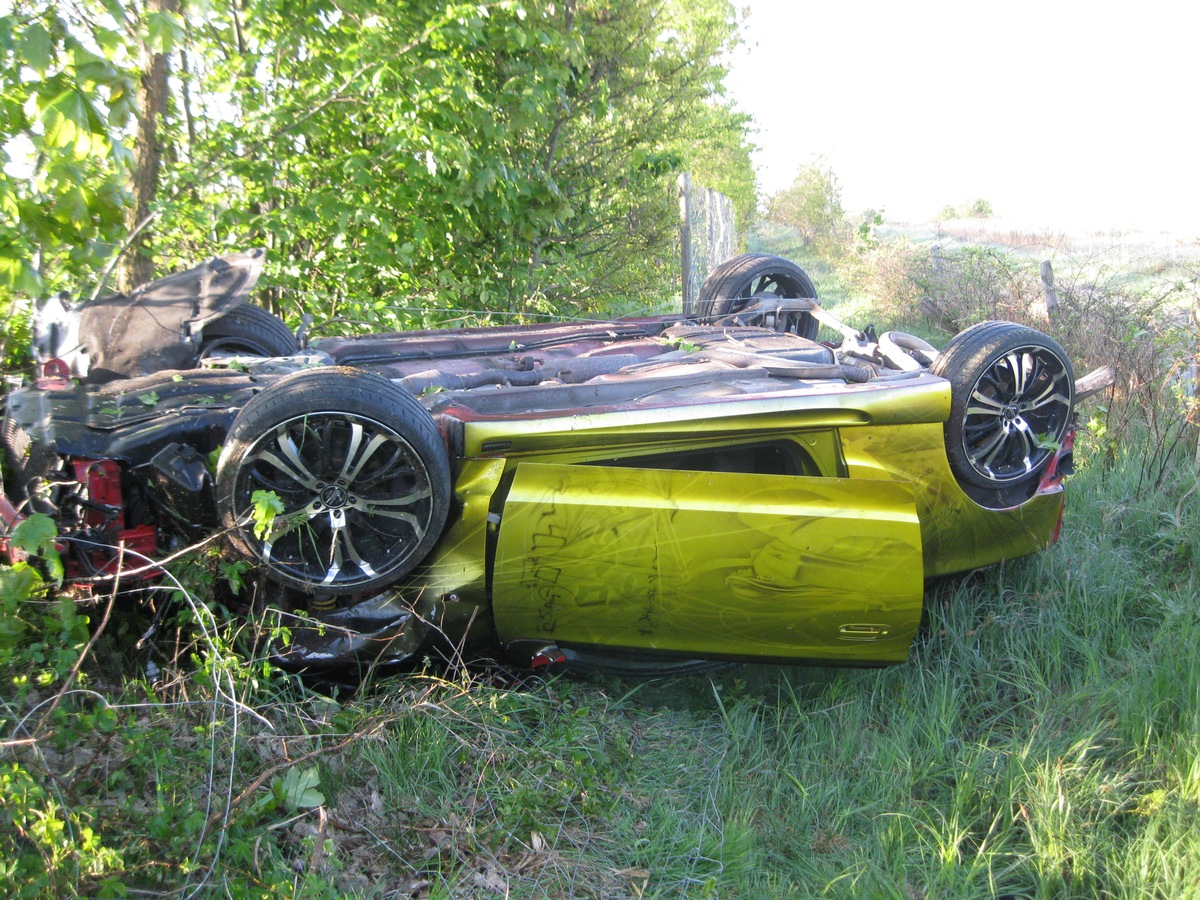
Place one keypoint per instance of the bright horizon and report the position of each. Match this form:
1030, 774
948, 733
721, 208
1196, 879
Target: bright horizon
1062, 114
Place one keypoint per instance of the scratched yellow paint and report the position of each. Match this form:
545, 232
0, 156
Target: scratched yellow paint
827, 565
958, 534
709, 563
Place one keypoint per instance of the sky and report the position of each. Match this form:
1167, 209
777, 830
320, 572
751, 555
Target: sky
1060, 113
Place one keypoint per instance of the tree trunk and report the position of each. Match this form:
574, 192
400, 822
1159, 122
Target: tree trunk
138, 265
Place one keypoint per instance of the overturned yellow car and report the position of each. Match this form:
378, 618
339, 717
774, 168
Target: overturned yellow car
720, 485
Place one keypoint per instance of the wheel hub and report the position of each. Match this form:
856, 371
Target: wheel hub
334, 497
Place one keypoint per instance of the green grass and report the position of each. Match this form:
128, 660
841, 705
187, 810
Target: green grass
1042, 740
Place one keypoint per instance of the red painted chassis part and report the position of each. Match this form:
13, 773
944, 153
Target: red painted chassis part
102, 479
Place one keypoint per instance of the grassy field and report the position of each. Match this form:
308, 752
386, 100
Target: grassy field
1042, 741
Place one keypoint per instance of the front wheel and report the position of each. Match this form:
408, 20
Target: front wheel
1012, 396
359, 469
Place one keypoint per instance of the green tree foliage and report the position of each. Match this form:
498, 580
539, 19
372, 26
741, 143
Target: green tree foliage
65, 99
812, 205
477, 156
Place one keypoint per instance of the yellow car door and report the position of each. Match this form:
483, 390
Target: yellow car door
708, 563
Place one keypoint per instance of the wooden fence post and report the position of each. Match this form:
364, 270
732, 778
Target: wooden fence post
1048, 289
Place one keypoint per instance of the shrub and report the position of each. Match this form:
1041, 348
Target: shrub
1137, 325
887, 273
976, 209
812, 205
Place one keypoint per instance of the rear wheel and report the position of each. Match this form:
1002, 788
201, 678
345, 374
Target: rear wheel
1012, 396
742, 281
247, 330
359, 469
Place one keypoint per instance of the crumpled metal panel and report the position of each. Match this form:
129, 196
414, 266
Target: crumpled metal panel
382, 630
711, 564
152, 329
452, 582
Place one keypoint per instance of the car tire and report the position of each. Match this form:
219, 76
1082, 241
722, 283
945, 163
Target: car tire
247, 330
734, 283
27, 466
360, 469
1011, 403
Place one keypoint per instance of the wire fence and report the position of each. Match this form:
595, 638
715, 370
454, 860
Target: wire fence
706, 232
